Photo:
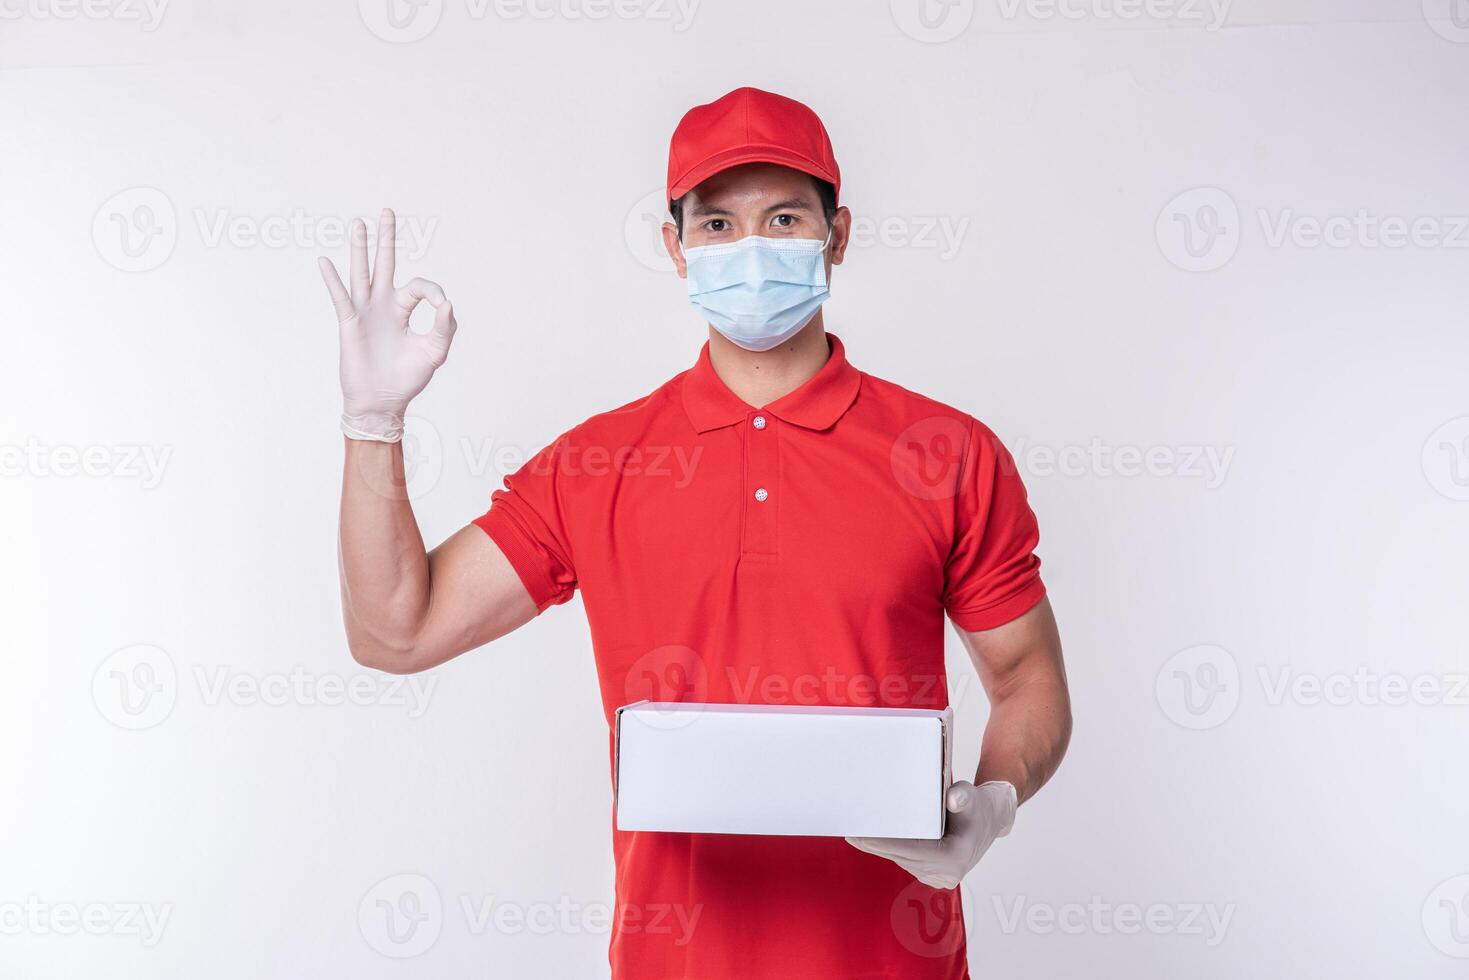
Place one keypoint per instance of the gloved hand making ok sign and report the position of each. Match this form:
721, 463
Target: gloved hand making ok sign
384, 364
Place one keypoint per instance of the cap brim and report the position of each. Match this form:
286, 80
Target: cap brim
705, 169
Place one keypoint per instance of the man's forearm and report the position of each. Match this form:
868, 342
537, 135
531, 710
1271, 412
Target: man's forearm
384, 567
1027, 735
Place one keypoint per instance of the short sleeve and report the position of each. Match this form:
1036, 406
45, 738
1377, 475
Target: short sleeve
992, 575
527, 521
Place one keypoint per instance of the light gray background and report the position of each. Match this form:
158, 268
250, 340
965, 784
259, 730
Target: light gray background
1091, 226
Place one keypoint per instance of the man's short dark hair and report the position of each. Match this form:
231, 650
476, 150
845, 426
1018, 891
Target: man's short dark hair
824, 191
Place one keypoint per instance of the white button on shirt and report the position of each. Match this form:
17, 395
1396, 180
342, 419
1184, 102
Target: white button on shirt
758, 422
761, 494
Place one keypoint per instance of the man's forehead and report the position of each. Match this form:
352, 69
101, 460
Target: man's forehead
755, 185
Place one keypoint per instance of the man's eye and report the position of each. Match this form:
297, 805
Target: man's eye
718, 224
785, 220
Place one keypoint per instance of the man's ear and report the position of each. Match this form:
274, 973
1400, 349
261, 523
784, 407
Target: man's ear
674, 248
841, 234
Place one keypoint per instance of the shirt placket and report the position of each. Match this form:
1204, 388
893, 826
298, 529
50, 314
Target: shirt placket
762, 490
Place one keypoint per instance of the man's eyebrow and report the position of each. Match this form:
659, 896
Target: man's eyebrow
790, 204
700, 208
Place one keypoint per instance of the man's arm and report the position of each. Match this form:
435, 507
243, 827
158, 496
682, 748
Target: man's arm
1030, 724
1030, 709
405, 609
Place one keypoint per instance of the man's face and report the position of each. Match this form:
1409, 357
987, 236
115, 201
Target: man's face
756, 199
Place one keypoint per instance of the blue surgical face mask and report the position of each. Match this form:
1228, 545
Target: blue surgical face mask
758, 292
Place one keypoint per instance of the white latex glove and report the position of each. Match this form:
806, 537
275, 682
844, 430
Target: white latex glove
977, 816
383, 363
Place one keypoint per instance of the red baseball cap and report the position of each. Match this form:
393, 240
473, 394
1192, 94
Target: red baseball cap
748, 126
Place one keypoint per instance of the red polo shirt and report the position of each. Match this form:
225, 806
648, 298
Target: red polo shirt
805, 552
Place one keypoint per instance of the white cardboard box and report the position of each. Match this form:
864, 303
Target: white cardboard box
788, 770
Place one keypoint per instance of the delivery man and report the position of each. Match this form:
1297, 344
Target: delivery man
816, 528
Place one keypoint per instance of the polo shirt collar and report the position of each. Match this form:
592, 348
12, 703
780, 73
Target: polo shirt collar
817, 404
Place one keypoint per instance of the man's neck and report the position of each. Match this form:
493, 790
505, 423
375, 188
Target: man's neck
760, 377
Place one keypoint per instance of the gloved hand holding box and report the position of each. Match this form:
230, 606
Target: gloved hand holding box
788, 770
